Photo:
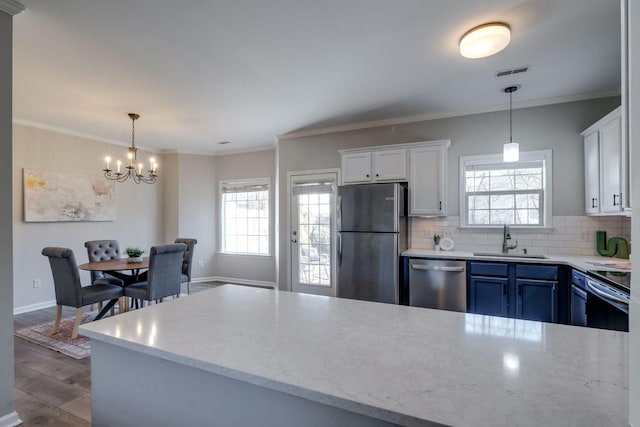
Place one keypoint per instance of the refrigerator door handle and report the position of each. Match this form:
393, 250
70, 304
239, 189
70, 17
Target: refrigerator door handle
339, 213
339, 250
436, 268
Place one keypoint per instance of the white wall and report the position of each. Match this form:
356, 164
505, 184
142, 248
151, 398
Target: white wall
553, 126
138, 210
258, 164
7, 413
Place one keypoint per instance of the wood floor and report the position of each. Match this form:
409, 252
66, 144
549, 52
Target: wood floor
50, 388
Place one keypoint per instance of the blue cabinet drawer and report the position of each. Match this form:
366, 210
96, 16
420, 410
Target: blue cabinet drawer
538, 272
492, 269
578, 278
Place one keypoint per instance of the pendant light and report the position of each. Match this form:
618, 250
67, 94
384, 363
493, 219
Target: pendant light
511, 150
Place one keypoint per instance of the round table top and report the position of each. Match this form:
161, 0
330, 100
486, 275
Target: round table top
115, 265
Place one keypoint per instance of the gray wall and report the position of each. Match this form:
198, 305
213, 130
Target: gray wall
169, 170
554, 126
196, 204
6, 252
138, 209
634, 141
259, 164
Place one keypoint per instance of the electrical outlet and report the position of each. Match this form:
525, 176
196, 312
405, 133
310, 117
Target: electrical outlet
36, 283
200, 264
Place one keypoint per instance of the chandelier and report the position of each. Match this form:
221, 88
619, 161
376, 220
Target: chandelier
133, 169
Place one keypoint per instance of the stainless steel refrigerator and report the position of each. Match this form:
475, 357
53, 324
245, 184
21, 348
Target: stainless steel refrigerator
372, 232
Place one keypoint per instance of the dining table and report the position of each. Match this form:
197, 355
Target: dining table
115, 267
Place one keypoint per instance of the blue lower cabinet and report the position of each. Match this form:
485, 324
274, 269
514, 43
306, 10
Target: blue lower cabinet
488, 295
537, 300
521, 291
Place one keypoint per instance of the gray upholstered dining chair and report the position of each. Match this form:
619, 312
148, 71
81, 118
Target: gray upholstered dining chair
164, 275
103, 250
187, 261
69, 289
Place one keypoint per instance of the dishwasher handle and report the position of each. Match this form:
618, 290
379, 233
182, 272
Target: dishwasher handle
437, 268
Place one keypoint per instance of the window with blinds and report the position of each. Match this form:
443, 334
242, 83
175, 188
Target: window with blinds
497, 193
245, 217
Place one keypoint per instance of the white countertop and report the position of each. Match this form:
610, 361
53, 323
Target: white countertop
583, 263
406, 365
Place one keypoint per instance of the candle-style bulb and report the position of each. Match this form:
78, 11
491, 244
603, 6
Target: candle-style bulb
108, 160
118, 163
139, 168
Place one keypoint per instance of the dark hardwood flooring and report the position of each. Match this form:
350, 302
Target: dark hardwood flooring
50, 388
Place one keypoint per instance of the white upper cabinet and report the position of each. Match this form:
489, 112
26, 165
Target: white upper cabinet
374, 165
592, 174
390, 165
606, 171
356, 167
423, 164
427, 185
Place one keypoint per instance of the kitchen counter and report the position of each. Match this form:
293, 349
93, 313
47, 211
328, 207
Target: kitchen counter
579, 262
209, 358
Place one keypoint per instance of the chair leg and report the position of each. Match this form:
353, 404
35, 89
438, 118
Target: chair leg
189, 287
74, 334
56, 323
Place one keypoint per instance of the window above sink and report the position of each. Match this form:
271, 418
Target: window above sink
493, 193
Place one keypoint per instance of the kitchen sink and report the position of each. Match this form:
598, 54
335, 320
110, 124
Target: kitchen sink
501, 255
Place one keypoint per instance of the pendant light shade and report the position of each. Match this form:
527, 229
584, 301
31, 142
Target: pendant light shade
511, 150
485, 40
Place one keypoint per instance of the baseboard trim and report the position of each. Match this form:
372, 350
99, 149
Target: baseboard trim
10, 420
239, 281
32, 307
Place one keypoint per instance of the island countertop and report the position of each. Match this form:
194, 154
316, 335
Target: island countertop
406, 365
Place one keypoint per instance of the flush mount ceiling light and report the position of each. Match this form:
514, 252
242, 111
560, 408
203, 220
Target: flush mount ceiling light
511, 150
133, 169
485, 40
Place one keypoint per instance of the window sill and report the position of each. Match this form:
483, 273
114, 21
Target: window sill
241, 255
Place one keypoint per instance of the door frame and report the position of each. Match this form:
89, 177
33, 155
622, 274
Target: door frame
334, 253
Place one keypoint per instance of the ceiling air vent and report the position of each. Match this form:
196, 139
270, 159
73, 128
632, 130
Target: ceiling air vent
516, 70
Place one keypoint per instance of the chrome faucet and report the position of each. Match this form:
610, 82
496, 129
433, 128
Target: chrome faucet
507, 236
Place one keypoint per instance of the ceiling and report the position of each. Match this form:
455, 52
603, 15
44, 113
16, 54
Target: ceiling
200, 72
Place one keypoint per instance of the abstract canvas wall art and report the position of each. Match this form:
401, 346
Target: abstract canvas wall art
51, 196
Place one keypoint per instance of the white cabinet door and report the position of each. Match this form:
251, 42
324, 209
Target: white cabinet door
610, 158
390, 165
356, 167
592, 174
427, 184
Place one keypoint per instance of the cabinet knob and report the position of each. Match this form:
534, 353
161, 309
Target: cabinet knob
367, 175
377, 175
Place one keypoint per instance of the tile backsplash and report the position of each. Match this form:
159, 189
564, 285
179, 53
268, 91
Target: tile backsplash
569, 235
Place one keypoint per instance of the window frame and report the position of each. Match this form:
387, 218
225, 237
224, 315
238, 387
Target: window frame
240, 183
494, 159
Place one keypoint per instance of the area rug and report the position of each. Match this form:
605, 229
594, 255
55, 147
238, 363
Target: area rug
60, 342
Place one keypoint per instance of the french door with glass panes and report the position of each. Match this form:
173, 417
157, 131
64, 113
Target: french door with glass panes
312, 233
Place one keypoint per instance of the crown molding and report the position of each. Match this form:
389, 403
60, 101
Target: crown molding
222, 153
12, 7
435, 116
65, 131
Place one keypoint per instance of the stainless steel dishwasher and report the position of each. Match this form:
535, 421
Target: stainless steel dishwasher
438, 284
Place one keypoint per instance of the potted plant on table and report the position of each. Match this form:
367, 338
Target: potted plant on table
135, 254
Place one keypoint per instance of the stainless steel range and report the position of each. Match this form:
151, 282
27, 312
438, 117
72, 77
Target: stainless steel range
607, 299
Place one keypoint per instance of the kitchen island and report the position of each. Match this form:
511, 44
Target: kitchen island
236, 355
